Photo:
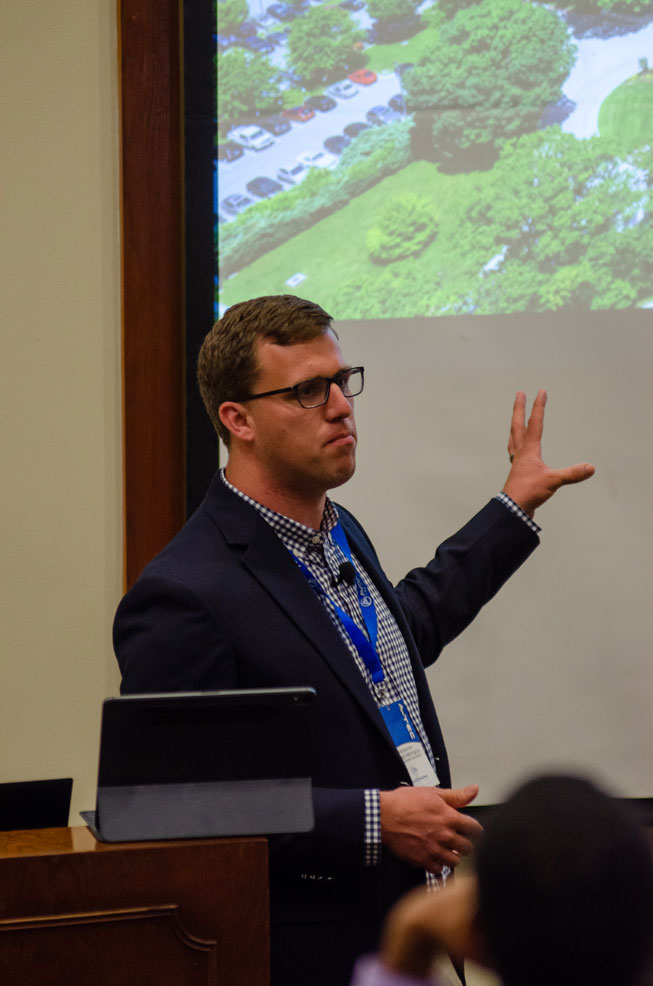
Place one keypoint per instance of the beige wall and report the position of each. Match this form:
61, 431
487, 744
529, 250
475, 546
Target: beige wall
60, 385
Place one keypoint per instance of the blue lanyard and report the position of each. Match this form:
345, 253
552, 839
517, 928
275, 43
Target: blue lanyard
365, 645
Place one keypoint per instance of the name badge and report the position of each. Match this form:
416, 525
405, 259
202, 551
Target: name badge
410, 747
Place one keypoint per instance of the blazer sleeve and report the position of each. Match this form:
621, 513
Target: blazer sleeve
166, 639
438, 601
468, 569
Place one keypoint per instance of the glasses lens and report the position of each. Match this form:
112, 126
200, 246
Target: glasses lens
351, 381
312, 393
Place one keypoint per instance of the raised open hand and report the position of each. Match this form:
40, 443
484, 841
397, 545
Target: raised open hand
530, 482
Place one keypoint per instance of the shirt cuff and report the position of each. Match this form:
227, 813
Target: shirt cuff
510, 504
370, 971
372, 827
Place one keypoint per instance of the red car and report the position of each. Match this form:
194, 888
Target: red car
363, 76
299, 113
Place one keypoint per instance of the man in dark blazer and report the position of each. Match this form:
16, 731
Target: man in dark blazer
270, 584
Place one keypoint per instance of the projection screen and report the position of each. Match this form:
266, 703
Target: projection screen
466, 188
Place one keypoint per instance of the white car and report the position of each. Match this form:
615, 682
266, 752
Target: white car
251, 136
318, 159
293, 174
343, 90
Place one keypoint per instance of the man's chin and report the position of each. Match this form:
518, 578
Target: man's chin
342, 475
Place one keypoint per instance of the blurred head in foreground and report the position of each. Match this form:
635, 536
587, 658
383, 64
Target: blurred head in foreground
562, 895
565, 887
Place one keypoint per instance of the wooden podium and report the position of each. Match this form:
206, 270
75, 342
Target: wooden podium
78, 912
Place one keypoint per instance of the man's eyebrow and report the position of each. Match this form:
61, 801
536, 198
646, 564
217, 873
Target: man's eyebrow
321, 376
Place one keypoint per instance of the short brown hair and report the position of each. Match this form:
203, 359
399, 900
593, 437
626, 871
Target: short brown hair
227, 368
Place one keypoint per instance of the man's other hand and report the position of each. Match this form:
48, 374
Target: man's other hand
424, 825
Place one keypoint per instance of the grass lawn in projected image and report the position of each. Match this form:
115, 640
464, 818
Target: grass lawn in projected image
328, 259
512, 172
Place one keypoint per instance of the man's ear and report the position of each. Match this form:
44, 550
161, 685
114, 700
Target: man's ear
235, 418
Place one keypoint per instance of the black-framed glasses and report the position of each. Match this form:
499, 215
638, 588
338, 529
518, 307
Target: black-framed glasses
315, 392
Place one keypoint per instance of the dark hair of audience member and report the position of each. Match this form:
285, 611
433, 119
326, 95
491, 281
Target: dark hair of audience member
565, 876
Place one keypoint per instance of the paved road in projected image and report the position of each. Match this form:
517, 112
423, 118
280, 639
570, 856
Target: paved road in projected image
234, 175
602, 64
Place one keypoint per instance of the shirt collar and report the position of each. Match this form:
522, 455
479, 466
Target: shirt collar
302, 537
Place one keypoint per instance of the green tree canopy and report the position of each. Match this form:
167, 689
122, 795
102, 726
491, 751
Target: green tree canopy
246, 83
566, 221
321, 44
449, 8
395, 20
390, 10
595, 6
379, 142
490, 72
395, 292
403, 227
231, 13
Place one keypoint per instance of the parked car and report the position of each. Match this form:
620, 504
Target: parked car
397, 103
363, 76
281, 11
251, 136
321, 102
342, 90
254, 43
299, 113
230, 150
293, 174
318, 159
379, 115
354, 129
264, 188
337, 144
233, 204
275, 124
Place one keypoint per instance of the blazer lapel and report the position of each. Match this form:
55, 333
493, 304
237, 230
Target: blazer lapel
268, 561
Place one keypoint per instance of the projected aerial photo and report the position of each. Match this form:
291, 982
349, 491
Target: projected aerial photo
455, 157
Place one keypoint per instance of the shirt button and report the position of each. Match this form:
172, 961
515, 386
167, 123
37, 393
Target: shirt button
316, 539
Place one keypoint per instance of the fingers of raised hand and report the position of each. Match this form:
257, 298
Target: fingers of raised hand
517, 423
522, 434
536, 420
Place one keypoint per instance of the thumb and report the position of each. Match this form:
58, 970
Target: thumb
458, 797
575, 474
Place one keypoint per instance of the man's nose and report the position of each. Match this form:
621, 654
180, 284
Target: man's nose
337, 403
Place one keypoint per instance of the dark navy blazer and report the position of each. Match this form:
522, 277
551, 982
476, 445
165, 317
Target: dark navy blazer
225, 606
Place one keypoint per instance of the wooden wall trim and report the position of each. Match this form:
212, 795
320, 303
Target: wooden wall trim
152, 195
